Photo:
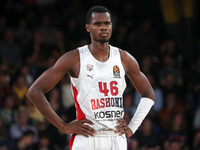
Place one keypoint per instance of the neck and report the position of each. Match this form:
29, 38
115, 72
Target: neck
99, 47
100, 51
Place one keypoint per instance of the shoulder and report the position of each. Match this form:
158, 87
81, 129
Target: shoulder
75, 54
128, 61
69, 57
67, 61
125, 55
71, 54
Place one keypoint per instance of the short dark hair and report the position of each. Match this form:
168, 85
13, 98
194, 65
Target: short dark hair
98, 9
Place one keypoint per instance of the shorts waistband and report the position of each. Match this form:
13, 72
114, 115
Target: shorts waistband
106, 132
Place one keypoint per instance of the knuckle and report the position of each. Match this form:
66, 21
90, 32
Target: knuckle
120, 129
86, 127
91, 129
120, 125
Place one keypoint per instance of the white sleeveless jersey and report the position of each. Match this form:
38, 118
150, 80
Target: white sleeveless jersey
99, 88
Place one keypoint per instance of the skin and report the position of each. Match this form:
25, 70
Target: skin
100, 29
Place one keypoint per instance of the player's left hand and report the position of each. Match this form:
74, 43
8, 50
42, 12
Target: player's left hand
123, 128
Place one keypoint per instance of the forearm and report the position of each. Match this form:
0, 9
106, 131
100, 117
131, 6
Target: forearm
40, 101
141, 112
77, 127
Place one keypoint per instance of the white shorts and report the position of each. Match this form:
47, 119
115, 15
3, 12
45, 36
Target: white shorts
99, 142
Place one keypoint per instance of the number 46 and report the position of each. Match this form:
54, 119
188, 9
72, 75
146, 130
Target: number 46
113, 89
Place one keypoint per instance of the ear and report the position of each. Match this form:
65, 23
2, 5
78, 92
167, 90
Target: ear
87, 26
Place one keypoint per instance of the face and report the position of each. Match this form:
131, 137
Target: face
100, 27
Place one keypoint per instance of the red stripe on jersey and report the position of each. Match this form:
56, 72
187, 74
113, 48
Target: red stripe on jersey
79, 113
72, 140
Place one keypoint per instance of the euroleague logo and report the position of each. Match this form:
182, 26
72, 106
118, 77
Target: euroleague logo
116, 72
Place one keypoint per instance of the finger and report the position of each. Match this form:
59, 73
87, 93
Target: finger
121, 125
88, 132
120, 121
87, 121
121, 129
121, 133
89, 128
127, 131
83, 133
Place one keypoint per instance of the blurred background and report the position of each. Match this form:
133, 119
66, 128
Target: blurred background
164, 37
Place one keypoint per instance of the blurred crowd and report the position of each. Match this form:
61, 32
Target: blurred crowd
35, 33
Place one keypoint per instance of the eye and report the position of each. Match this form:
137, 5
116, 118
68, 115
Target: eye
107, 23
97, 23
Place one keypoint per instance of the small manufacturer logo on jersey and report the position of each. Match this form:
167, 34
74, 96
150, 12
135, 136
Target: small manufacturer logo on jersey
89, 67
91, 76
116, 72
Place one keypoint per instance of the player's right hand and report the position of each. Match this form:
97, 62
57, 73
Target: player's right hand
79, 127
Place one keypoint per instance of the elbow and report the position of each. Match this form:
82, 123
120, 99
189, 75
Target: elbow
150, 95
31, 93
153, 96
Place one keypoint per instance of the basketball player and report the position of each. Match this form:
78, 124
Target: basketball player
97, 77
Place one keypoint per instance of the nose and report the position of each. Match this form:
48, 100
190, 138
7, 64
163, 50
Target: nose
103, 27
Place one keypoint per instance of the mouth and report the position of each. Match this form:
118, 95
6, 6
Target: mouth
104, 34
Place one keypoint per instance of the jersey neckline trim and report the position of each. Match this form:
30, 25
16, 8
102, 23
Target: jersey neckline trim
101, 62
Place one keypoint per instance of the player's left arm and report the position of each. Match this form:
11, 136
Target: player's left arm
143, 87
137, 78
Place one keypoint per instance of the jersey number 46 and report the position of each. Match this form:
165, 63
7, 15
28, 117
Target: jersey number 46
113, 88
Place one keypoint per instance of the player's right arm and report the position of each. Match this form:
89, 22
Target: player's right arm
69, 62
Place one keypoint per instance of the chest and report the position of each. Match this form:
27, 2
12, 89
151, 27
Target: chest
100, 71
